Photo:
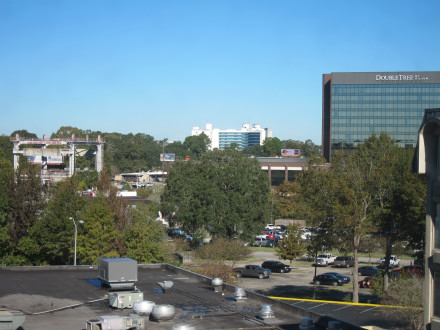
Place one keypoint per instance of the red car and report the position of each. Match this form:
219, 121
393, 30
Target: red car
270, 234
411, 270
367, 282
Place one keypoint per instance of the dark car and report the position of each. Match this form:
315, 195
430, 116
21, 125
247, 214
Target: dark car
327, 279
271, 243
252, 271
177, 232
276, 266
344, 261
346, 279
368, 271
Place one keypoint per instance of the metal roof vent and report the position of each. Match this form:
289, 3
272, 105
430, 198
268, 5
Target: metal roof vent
240, 294
306, 324
217, 285
165, 285
266, 312
143, 307
183, 326
163, 312
334, 325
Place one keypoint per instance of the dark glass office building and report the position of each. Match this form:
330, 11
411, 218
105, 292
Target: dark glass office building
358, 104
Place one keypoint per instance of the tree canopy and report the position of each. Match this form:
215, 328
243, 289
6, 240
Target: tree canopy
359, 193
225, 192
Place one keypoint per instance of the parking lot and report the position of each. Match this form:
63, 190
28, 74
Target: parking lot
298, 285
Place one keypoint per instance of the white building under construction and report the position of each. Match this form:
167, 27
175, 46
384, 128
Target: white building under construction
51, 154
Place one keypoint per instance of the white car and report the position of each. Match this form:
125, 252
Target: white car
394, 262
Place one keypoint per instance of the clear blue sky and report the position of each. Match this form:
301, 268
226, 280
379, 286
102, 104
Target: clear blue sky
160, 67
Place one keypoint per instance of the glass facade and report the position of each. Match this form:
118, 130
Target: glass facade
359, 110
242, 139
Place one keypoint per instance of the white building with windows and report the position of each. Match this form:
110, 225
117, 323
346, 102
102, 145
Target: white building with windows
245, 137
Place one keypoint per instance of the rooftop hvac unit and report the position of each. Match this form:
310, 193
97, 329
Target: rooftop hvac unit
11, 319
124, 299
117, 272
132, 321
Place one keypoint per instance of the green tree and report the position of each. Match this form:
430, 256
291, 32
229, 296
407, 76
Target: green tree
225, 192
65, 132
97, 236
24, 134
339, 198
6, 178
287, 201
176, 148
362, 191
6, 148
26, 197
144, 237
398, 198
255, 150
54, 231
272, 147
197, 145
129, 153
292, 245
307, 148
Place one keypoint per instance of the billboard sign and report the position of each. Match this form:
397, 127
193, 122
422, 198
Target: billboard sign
290, 152
167, 157
35, 159
54, 159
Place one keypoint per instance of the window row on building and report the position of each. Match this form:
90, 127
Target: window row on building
247, 136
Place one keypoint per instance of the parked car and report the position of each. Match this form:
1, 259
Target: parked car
410, 270
260, 242
306, 234
270, 234
327, 279
272, 242
252, 271
368, 271
177, 232
367, 282
324, 259
276, 266
394, 262
344, 261
346, 279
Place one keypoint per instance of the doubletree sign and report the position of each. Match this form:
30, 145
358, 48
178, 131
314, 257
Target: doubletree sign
167, 157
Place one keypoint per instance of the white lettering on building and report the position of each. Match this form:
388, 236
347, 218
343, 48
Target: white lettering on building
400, 77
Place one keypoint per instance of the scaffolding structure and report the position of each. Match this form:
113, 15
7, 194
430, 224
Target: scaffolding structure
68, 149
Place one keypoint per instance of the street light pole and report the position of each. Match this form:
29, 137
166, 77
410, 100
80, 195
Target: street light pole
76, 230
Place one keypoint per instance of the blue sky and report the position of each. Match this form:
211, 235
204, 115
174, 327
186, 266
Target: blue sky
161, 67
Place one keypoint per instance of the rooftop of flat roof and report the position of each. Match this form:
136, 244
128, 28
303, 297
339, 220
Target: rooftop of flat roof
65, 297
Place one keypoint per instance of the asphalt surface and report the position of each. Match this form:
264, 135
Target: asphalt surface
298, 285
65, 297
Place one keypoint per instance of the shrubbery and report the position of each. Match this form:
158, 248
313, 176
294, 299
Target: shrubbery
218, 269
223, 249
